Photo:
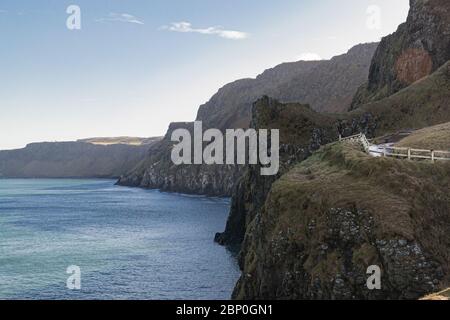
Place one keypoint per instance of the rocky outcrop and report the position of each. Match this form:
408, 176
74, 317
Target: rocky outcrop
71, 160
418, 48
158, 171
302, 131
339, 212
312, 233
328, 85
423, 104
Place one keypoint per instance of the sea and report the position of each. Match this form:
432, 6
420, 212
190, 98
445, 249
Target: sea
64, 239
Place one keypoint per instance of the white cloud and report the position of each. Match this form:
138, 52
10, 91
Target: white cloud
3, 11
186, 27
308, 56
120, 17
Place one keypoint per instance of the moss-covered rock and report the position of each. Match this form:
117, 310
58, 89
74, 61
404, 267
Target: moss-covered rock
334, 215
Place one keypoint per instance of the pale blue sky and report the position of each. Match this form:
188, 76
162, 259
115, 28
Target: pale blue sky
130, 71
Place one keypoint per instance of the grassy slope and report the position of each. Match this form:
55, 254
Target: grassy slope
435, 137
338, 175
405, 200
425, 103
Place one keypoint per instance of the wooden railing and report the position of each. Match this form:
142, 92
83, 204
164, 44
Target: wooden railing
397, 152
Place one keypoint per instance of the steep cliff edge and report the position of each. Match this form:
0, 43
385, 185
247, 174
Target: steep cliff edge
157, 171
302, 130
423, 104
339, 212
419, 47
313, 233
327, 85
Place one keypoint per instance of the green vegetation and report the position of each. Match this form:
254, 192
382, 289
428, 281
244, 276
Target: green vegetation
340, 211
424, 103
339, 176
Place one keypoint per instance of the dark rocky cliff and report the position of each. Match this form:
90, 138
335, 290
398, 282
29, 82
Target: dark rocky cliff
158, 171
313, 233
302, 131
419, 47
334, 215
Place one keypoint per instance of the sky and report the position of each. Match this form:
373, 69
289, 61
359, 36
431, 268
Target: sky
134, 66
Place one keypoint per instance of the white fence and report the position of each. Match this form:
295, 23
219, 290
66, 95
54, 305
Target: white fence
397, 152
358, 138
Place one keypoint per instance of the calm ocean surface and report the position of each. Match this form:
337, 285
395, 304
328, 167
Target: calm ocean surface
129, 243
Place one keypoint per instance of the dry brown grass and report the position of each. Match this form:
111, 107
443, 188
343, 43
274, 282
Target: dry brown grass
405, 198
440, 296
385, 199
435, 138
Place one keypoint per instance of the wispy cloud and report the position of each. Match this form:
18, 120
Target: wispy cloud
120, 17
3, 11
186, 27
308, 56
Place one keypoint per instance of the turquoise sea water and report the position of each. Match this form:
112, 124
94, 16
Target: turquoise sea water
129, 243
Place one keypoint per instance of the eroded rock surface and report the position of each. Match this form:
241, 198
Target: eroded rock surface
419, 47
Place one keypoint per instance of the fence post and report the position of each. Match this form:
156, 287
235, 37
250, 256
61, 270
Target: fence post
409, 154
340, 137
432, 155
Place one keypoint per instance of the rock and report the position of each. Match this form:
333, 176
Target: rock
419, 47
376, 226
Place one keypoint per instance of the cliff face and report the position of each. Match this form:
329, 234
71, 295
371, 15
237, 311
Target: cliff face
334, 215
293, 258
418, 48
328, 85
423, 104
158, 171
71, 160
302, 131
